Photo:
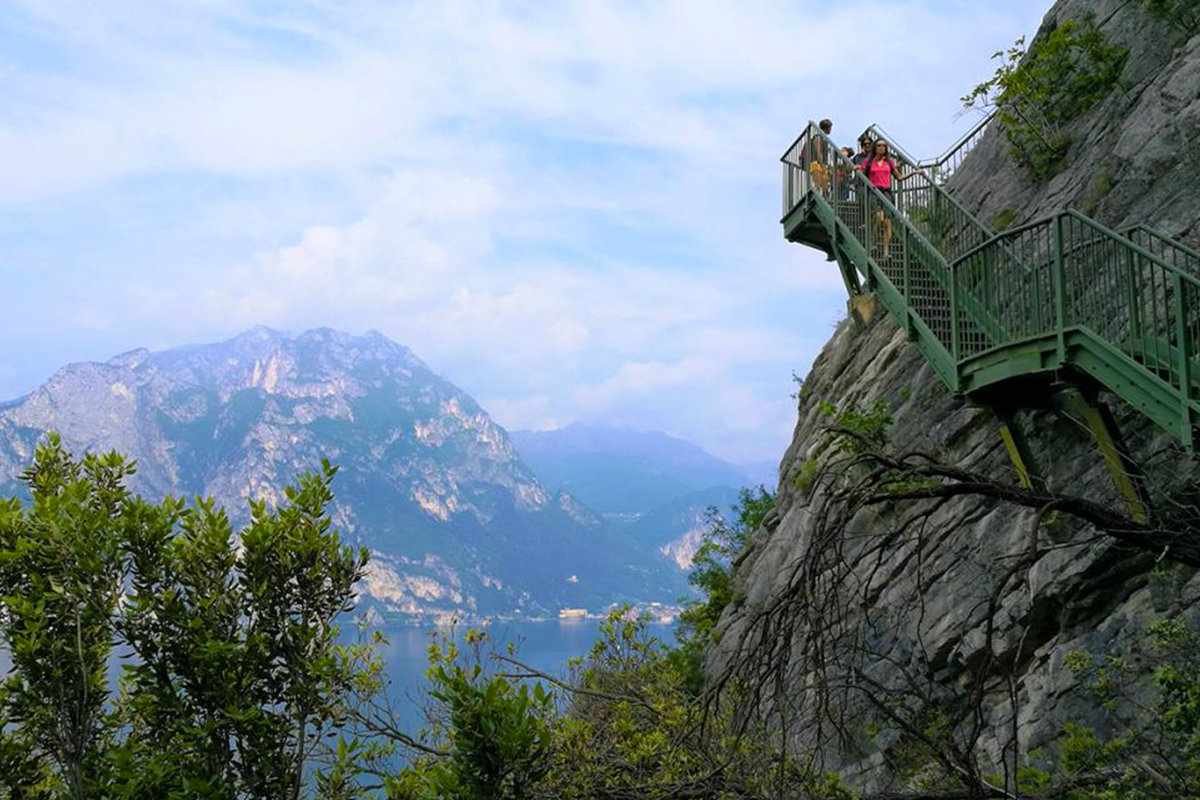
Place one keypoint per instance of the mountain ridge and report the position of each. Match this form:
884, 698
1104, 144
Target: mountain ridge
621, 470
461, 525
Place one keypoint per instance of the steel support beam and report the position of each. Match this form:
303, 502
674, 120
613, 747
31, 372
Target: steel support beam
1126, 476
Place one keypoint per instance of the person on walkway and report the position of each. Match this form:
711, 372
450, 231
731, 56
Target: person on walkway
844, 173
864, 152
881, 171
818, 166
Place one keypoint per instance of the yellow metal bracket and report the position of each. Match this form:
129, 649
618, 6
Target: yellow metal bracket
1029, 472
1126, 476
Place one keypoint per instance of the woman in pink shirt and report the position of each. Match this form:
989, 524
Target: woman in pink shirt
881, 170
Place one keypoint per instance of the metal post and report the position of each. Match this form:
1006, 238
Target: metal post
1058, 288
1126, 474
1131, 297
1038, 324
866, 209
1185, 366
954, 326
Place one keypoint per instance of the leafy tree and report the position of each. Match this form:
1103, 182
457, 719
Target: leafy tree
60, 583
1155, 706
497, 732
1183, 15
1039, 91
632, 727
230, 678
712, 575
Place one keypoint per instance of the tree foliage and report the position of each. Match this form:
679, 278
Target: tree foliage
496, 731
1182, 15
712, 576
227, 642
1038, 92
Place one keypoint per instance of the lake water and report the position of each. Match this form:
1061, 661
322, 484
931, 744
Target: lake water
545, 646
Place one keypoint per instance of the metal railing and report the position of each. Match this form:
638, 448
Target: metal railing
1124, 308
897, 248
943, 166
1166, 247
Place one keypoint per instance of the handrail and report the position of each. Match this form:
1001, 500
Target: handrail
858, 176
1010, 233
799, 158
943, 201
962, 141
1165, 243
1167, 238
876, 131
1143, 252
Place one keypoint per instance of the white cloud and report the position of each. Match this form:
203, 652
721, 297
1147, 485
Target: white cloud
569, 208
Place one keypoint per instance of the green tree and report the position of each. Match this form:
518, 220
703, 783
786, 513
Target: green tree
231, 678
1039, 92
496, 730
1154, 704
60, 583
712, 575
632, 727
1182, 15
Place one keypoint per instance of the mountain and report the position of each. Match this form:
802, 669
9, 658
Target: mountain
677, 527
761, 473
620, 470
458, 523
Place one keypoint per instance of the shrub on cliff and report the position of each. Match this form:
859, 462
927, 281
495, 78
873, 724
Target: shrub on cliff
622, 723
1039, 92
1182, 15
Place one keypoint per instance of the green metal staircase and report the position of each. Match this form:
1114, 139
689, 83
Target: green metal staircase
999, 316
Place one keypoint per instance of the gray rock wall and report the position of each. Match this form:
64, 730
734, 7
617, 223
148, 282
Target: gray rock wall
1088, 595
1136, 153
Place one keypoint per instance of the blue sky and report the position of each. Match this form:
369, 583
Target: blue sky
568, 208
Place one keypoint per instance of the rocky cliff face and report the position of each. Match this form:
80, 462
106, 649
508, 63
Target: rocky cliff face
459, 523
929, 589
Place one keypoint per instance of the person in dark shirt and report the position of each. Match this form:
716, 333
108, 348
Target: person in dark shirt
818, 167
864, 151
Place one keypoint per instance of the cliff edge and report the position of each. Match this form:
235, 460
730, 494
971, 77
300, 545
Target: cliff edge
918, 588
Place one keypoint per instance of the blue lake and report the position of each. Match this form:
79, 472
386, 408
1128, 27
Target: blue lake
545, 646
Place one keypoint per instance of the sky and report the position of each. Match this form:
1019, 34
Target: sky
570, 209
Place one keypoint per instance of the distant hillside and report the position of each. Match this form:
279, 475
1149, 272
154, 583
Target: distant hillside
458, 522
676, 528
623, 471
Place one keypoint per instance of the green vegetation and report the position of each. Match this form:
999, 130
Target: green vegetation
1003, 219
230, 677
1096, 190
1156, 750
624, 724
496, 736
1039, 92
237, 686
712, 575
1183, 15
860, 428
806, 476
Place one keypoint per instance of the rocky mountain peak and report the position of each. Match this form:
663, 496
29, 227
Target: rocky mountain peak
427, 478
